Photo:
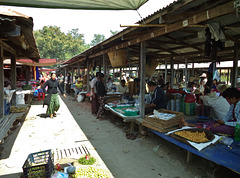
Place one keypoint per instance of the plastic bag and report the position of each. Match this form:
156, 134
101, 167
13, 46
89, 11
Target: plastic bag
80, 98
226, 140
60, 175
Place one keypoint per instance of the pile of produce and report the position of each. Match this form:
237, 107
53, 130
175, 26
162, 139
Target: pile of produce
91, 172
87, 160
15, 109
193, 136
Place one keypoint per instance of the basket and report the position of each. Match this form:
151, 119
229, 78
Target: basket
118, 58
39, 165
162, 125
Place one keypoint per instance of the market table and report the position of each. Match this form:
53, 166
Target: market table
221, 154
125, 117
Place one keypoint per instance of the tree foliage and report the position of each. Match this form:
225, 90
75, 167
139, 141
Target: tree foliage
55, 44
97, 39
113, 32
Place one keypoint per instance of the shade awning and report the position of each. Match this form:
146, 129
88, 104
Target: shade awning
78, 4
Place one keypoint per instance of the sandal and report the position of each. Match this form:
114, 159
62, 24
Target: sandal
51, 115
54, 115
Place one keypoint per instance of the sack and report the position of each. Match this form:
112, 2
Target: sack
80, 98
47, 100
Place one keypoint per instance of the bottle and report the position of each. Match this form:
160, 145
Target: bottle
237, 133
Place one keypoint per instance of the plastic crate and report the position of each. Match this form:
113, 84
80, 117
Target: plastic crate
39, 165
7, 107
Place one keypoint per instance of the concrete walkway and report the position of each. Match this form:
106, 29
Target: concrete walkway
41, 133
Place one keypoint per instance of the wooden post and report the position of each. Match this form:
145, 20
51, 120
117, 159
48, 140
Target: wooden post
186, 72
120, 73
172, 73
72, 73
2, 106
105, 69
165, 76
27, 74
235, 65
228, 76
65, 73
78, 69
88, 87
193, 69
13, 78
142, 78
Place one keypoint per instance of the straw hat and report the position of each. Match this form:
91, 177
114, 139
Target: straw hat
222, 87
204, 75
197, 91
213, 95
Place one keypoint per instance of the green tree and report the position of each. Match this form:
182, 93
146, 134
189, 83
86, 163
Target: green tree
55, 44
97, 39
113, 32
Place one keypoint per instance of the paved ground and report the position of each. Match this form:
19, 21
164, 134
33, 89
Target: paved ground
39, 133
145, 157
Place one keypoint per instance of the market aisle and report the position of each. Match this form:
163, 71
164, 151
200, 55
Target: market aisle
39, 133
141, 158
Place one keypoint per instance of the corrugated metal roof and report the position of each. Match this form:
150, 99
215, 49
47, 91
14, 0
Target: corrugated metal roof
184, 42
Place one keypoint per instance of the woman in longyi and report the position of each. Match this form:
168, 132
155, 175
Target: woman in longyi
52, 85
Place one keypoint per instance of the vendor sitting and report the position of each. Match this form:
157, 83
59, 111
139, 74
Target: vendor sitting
123, 88
159, 99
79, 87
227, 124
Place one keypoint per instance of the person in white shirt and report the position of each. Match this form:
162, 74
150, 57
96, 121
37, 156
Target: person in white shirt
123, 88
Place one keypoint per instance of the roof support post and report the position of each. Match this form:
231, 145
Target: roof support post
130, 71
83, 72
120, 73
2, 106
78, 64
105, 68
178, 74
193, 69
186, 72
142, 78
88, 87
72, 73
235, 64
13, 78
172, 72
165, 76
27, 74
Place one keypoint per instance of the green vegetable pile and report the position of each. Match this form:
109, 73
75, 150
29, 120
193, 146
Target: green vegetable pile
85, 161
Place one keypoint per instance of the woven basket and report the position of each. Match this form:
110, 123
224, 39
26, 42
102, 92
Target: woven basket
118, 58
150, 67
162, 125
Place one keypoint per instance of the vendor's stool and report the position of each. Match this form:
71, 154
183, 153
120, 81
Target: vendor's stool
41, 96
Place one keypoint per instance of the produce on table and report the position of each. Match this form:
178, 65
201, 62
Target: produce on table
91, 172
15, 109
193, 136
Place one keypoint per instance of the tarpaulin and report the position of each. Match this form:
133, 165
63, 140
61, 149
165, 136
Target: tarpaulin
78, 4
